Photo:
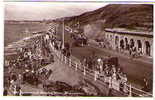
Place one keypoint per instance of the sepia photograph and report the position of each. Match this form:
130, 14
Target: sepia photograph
82, 49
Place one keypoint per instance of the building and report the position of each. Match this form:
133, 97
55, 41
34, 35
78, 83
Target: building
123, 39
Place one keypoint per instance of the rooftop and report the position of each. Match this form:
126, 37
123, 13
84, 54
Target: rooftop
131, 32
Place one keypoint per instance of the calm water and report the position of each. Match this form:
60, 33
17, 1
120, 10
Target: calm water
15, 32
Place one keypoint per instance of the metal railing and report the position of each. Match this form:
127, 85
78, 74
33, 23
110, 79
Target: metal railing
75, 63
127, 90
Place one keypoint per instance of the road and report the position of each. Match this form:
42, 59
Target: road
136, 70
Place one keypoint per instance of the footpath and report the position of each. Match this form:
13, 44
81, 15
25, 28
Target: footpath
145, 64
119, 54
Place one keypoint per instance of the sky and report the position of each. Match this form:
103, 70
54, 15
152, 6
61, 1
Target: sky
46, 10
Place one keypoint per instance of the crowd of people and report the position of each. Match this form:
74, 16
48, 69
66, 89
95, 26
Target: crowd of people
129, 49
79, 39
39, 53
25, 64
104, 68
108, 70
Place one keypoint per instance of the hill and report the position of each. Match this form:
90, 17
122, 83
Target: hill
131, 16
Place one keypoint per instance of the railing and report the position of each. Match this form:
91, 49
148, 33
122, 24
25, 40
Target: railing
75, 63
127, 90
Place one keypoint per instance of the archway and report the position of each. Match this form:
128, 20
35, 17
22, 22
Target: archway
116, 40
122, 44
126, 44
110, 37
132, 43
139, 44
148, 48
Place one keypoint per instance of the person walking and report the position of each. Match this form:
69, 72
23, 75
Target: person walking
145, 87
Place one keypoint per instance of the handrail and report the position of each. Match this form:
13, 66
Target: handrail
74, 63
142, 91
130, 89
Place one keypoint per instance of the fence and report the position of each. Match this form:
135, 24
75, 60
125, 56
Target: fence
127, 89
75, 63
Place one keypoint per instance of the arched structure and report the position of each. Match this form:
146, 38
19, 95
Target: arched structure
142, 41
148, 48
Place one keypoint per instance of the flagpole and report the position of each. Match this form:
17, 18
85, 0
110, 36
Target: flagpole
63, 40
78, 25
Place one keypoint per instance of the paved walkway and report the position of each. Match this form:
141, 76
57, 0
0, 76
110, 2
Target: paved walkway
136, 70
62, 72
141, 59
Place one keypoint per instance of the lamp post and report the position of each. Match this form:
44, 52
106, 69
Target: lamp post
63, 37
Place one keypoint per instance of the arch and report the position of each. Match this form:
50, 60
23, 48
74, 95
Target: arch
107, 36
122, 44
148, 48
139, 43
126, 44
110, 37
139, 47
132, 43
116, 40
126, 40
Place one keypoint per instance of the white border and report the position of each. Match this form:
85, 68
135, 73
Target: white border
61, 98
1, 45
76, 0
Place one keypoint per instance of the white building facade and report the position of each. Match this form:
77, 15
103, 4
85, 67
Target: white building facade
123, 40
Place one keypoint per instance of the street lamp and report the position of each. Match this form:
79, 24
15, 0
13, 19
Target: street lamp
63, 40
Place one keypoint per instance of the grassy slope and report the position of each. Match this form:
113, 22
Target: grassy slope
119, 15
